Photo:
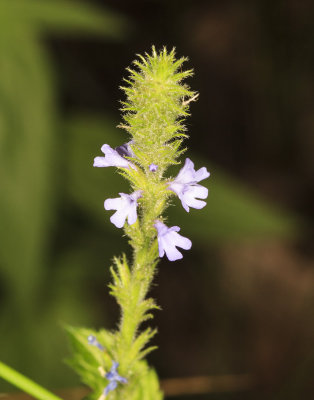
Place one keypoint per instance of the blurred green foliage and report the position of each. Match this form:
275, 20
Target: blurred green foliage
39, 172
28, 166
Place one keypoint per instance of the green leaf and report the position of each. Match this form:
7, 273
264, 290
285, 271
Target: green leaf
61, 16
26, 148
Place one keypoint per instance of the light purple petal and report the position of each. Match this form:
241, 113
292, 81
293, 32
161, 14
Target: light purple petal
100, 162
113, 204
184, 204
168, 239
153, 167
198, 191
186, 174
189, 196
113, 378
111, 159
201, 174
136, 195
173, 254
121, 379
114, 367
161, 228
111, 386
118, 219
126, 206
161, 250
176, 187
186, 187
182, 241
132, 214
174, 229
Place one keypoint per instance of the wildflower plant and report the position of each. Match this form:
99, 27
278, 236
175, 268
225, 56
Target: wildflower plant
157, 101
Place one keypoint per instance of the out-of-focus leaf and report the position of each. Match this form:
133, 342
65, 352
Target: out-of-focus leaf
232, 211
61, 16
29, 163
27, 122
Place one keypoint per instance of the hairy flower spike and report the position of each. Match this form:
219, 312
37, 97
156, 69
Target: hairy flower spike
157, 102
155, 107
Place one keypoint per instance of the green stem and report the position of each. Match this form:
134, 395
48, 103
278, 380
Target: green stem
25, 384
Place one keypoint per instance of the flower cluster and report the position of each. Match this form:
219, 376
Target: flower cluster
112, 376
185, 186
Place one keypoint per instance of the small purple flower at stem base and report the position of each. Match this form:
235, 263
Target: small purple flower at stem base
186, 187
153, 167
126, 208
113, 378
94, 342
112, 158
168, 239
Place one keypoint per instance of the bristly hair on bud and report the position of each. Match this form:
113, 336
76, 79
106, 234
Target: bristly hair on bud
156, 121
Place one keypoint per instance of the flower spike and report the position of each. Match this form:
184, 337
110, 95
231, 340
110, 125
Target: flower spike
126, 208
168, 239
186, 187
113, 378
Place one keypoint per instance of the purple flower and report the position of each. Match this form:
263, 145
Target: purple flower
94, 342
125, 206
168, 239
153, 167
186, 187
113, 378
112, 158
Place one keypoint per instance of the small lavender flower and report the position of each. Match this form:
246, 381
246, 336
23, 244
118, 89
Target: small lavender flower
125, 206
112, 158
168, 239
153, 167
186, 187
113, 378
94, 342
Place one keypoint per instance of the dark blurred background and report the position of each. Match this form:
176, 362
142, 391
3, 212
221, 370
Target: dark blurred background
241, 301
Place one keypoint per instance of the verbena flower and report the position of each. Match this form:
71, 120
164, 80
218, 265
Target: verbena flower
168, 239
126, 206
153, 167
113, 378
186, 187
94, 342
112, 158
